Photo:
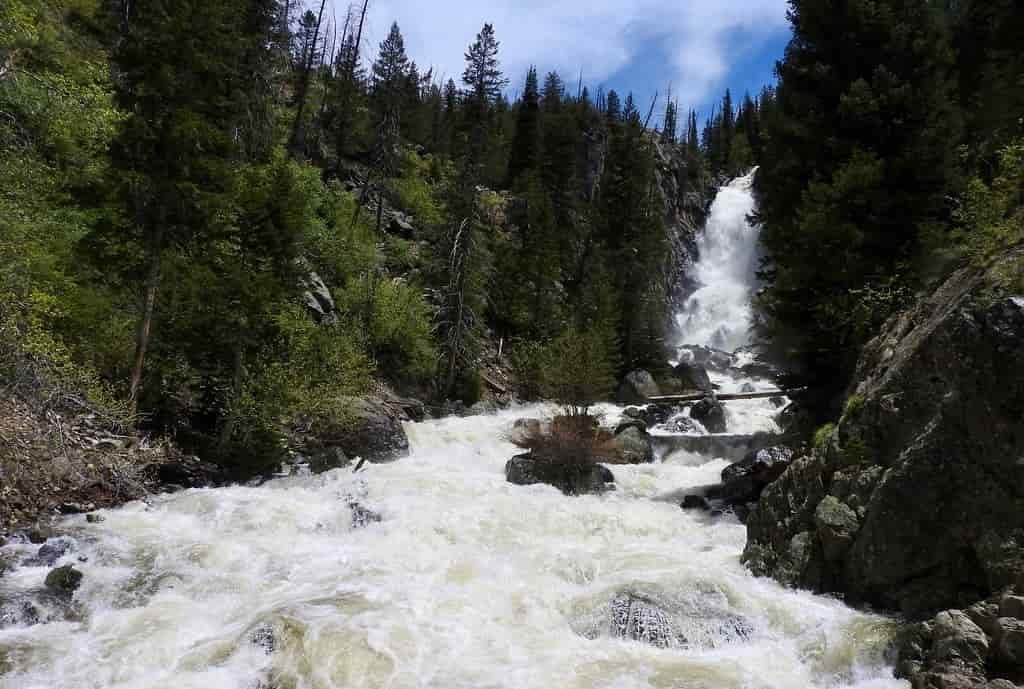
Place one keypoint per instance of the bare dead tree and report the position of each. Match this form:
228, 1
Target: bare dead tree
296, 143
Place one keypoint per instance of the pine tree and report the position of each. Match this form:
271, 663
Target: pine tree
526, 144
613, 108
669, 126
173, 154
553, 93
845, 194
482, 75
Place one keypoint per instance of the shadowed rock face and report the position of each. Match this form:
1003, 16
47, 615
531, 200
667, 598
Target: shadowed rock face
916, 499
571, 478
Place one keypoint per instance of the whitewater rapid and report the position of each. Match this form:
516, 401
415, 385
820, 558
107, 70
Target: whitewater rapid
467, 582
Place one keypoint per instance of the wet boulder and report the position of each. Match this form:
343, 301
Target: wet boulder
633, 446
692, 376
63, 581
637, 387
711, 414
50, 552
657, 414
710, 359
640, 619
744, 481
571, 476
365, 428
695, 502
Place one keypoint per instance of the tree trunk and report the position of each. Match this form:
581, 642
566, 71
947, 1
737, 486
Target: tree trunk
146, 321
236, 391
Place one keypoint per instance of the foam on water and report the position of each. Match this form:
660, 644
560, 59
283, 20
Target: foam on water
468, 582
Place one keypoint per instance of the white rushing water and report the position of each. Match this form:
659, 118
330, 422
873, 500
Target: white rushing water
718, 313
466, 582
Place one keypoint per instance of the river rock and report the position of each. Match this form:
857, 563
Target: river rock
743, 481
927, 454
711, 359
711, 414
637, 387
524, 429
692, 376
626, 424
64, 581
695, 502
1009, 642
633, 446
657, 414
50, 552
365, 428
639, 619
570, 477
632, 412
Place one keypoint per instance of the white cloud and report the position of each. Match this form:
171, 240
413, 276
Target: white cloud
697, 39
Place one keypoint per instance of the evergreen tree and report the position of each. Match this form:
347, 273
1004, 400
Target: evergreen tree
846, 196
554, 92
526, 144
670, 125
613, 108
173, 153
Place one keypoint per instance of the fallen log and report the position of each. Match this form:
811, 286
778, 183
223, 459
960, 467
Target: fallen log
724, 396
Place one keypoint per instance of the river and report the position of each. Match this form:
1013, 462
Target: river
466, 582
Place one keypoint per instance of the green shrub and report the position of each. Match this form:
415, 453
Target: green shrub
853, 406
822, 437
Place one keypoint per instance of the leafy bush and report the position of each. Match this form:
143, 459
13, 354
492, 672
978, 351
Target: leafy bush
396, 323
822, 436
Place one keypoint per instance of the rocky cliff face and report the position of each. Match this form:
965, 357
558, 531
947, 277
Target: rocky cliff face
685, 190
915, 499
686, 194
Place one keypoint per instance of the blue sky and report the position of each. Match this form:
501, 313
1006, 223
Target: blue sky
699, 46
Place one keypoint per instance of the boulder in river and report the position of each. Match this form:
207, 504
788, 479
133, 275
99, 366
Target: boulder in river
366, 428
637, 387
921, 477
711, 414
64, 581
743, 481
570, 477
692, 376
632, 445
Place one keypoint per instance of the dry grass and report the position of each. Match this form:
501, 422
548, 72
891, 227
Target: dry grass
569, 440
51, 459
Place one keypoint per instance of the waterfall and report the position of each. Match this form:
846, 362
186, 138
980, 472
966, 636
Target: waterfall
717, 314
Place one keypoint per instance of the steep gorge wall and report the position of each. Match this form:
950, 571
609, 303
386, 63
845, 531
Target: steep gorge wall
915, 499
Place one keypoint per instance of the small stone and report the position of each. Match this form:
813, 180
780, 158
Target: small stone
50, 552
94, 518
632, 412
39, 533
64, 580
1001, 684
